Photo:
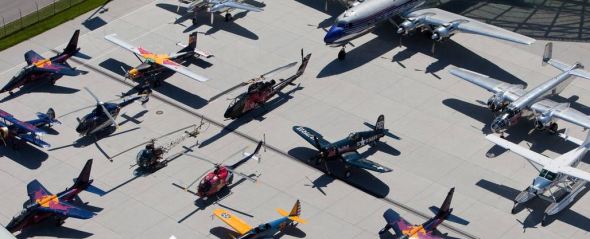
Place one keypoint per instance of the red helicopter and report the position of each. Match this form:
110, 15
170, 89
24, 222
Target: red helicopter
260, 92
222, 175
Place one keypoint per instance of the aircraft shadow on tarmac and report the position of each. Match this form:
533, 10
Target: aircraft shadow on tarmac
225, 233
360, 178
48, 228
42, 86
257, 114
536, 207
172, 91
539, 140
446, 54
529, 17
204, 18
24, 154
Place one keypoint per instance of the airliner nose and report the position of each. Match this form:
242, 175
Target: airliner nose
334, 34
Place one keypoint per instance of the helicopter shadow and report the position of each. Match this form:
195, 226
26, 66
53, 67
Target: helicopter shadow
257, 114
359, 178
204, 18
24, 154
536, 207
165, 88
321, 182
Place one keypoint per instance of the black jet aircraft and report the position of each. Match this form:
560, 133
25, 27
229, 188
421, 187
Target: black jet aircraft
103, 115
260, 92
345, 149
46, 68
42, 204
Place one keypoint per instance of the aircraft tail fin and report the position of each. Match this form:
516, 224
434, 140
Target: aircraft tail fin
380, 125
72, 46
548, 59
445, 208
294, 214
248, 156
45, 119
304, 61
83, 179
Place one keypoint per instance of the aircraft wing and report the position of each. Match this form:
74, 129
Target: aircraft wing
34, 139
234, 222
397, 223
32, 56
561, 111
236, 5
511, 91
136, 50
309, 135
57, 68
525, 153
172, 65
439, 17
577, 173
355, 159
36, 190
63, 208
20, 124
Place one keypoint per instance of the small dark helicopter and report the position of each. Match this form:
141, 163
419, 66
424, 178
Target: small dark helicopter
260, 92
104, 114
151, 158
212, 182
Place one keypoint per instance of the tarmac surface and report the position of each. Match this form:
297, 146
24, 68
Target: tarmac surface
436, 117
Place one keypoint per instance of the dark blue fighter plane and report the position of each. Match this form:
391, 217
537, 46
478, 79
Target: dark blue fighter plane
345, 149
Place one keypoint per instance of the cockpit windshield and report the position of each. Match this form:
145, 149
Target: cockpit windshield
548, 175
353, 136
341, 24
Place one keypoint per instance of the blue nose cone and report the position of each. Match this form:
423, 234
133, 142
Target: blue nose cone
334, 34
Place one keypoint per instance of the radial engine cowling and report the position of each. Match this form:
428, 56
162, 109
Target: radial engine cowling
406, 26
441, 33
542, 121
496, 103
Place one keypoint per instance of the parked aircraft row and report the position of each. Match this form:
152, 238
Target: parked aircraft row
559, 180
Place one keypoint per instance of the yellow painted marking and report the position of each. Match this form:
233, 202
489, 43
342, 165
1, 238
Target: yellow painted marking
45, 201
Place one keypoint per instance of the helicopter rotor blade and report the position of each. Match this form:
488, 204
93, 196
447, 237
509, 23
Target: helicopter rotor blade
279, 69
228, 91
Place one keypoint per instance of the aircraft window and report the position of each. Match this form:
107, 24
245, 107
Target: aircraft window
352, 136
341, 24
548, 174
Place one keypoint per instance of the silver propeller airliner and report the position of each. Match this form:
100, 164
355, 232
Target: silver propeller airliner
362, 16
512, 102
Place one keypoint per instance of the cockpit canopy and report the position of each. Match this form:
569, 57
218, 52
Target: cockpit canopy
548, 175
353, 136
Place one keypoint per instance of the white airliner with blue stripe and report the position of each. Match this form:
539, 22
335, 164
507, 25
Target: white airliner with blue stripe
363, 16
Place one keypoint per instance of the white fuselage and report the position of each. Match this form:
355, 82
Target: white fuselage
363, 17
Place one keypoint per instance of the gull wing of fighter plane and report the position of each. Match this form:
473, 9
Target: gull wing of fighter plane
266, 230
449, 23
346, 148
511, 98
12, 127
46, 65
165, 60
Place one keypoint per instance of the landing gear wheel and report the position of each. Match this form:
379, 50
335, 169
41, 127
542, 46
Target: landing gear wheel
553, 128
11, 93
383, 230
60, 221
347, 173
342, 54
194, 19
228, 17
318, 160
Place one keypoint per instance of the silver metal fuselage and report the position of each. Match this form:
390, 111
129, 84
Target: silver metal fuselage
363, 17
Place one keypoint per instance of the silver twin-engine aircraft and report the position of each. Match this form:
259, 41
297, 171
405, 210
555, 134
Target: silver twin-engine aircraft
362, 16
512, 102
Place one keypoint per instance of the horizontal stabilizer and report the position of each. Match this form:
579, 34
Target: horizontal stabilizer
451, 218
